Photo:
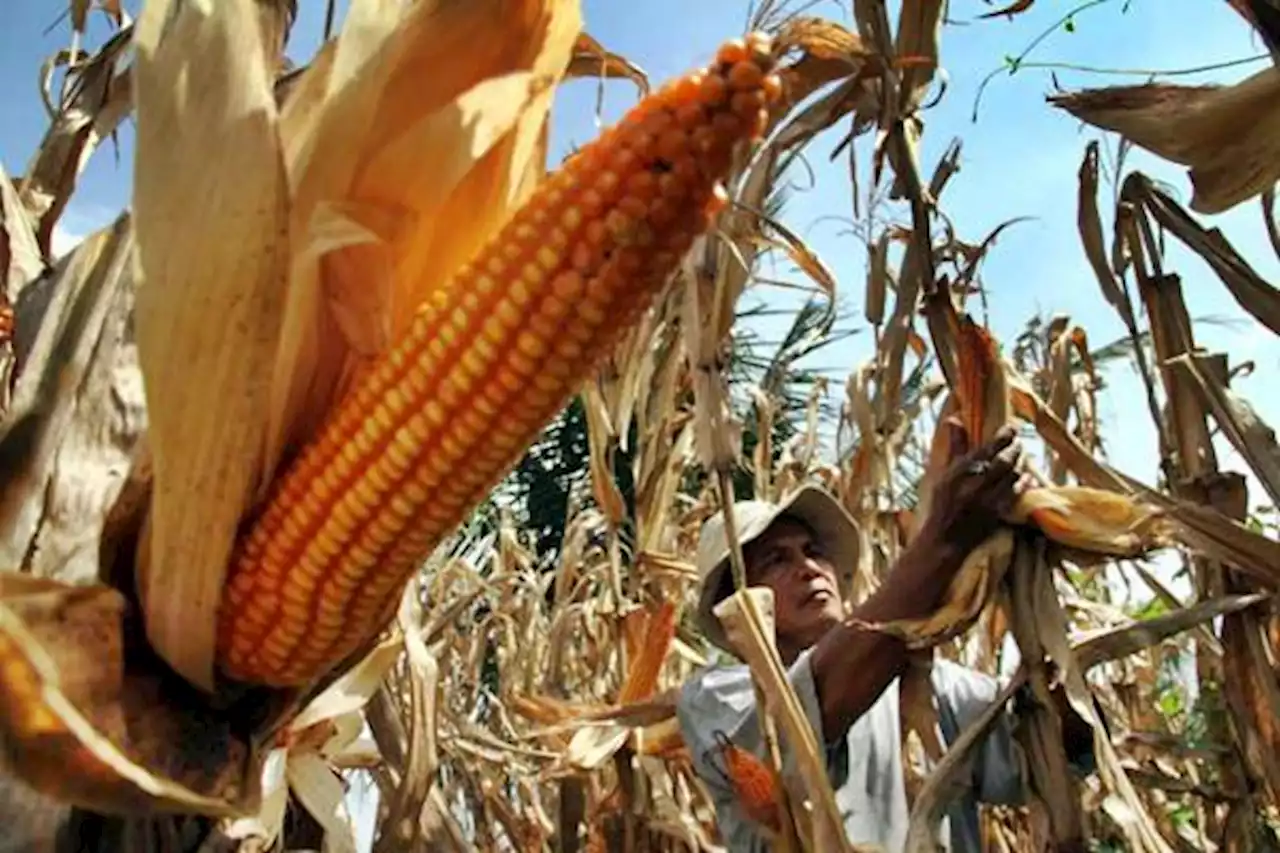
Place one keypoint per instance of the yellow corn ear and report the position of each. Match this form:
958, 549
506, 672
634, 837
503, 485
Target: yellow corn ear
484, 365
1094, 520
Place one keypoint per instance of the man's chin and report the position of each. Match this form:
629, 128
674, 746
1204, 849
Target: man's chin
824, 611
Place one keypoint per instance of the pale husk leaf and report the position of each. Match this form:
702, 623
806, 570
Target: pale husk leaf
209, 305
321, 793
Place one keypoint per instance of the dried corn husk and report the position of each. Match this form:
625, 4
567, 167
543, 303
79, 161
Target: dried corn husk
1228, 136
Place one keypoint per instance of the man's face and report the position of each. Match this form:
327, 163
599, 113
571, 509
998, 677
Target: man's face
787, 559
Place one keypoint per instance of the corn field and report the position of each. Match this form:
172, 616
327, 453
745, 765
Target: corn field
351, 478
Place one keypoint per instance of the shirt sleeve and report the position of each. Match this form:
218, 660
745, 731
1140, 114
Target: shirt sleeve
720, 700
964, 693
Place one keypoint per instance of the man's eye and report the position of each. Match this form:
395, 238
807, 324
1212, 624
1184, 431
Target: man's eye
774, 560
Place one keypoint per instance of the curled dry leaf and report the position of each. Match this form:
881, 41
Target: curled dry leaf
1132, 638
1089, 223
592, 59
820, 38
1251, 291
20, 259
1248, 433
85, 727
1229, 136
99, 97
1017, 7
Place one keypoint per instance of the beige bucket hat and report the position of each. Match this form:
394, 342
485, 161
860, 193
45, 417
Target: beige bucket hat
811, 504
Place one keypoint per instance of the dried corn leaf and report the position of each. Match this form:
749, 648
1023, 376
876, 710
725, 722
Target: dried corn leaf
1041, 725
268, 823
593, 745
917, 49
820, 38
1131, 639
592, 59
353, 689
803, 257
1252, 292
766, 411
418, 774
952, 775
82, 726
1214, 535
718, 433
877, 280
1017, 7
100, 100
1089, 223
1229, 136
77, 412
321, 793
601, 439
1254, 440
1050, 619
1030, 407
209, 304
981, 393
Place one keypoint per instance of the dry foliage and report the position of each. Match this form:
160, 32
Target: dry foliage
520, 703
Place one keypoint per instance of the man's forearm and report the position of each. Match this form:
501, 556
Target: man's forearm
853, 665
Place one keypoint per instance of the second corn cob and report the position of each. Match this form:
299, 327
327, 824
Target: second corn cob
485, 364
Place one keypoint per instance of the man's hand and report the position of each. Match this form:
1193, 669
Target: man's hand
852, 666
975, 494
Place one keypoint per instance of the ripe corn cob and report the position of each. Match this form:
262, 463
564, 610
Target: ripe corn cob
752, 783
642, 674
486, 362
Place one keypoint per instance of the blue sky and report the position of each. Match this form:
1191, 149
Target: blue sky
1019, 158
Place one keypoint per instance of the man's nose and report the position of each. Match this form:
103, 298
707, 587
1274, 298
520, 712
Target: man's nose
809, 567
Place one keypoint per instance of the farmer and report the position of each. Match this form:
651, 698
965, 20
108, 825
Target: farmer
846, 676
